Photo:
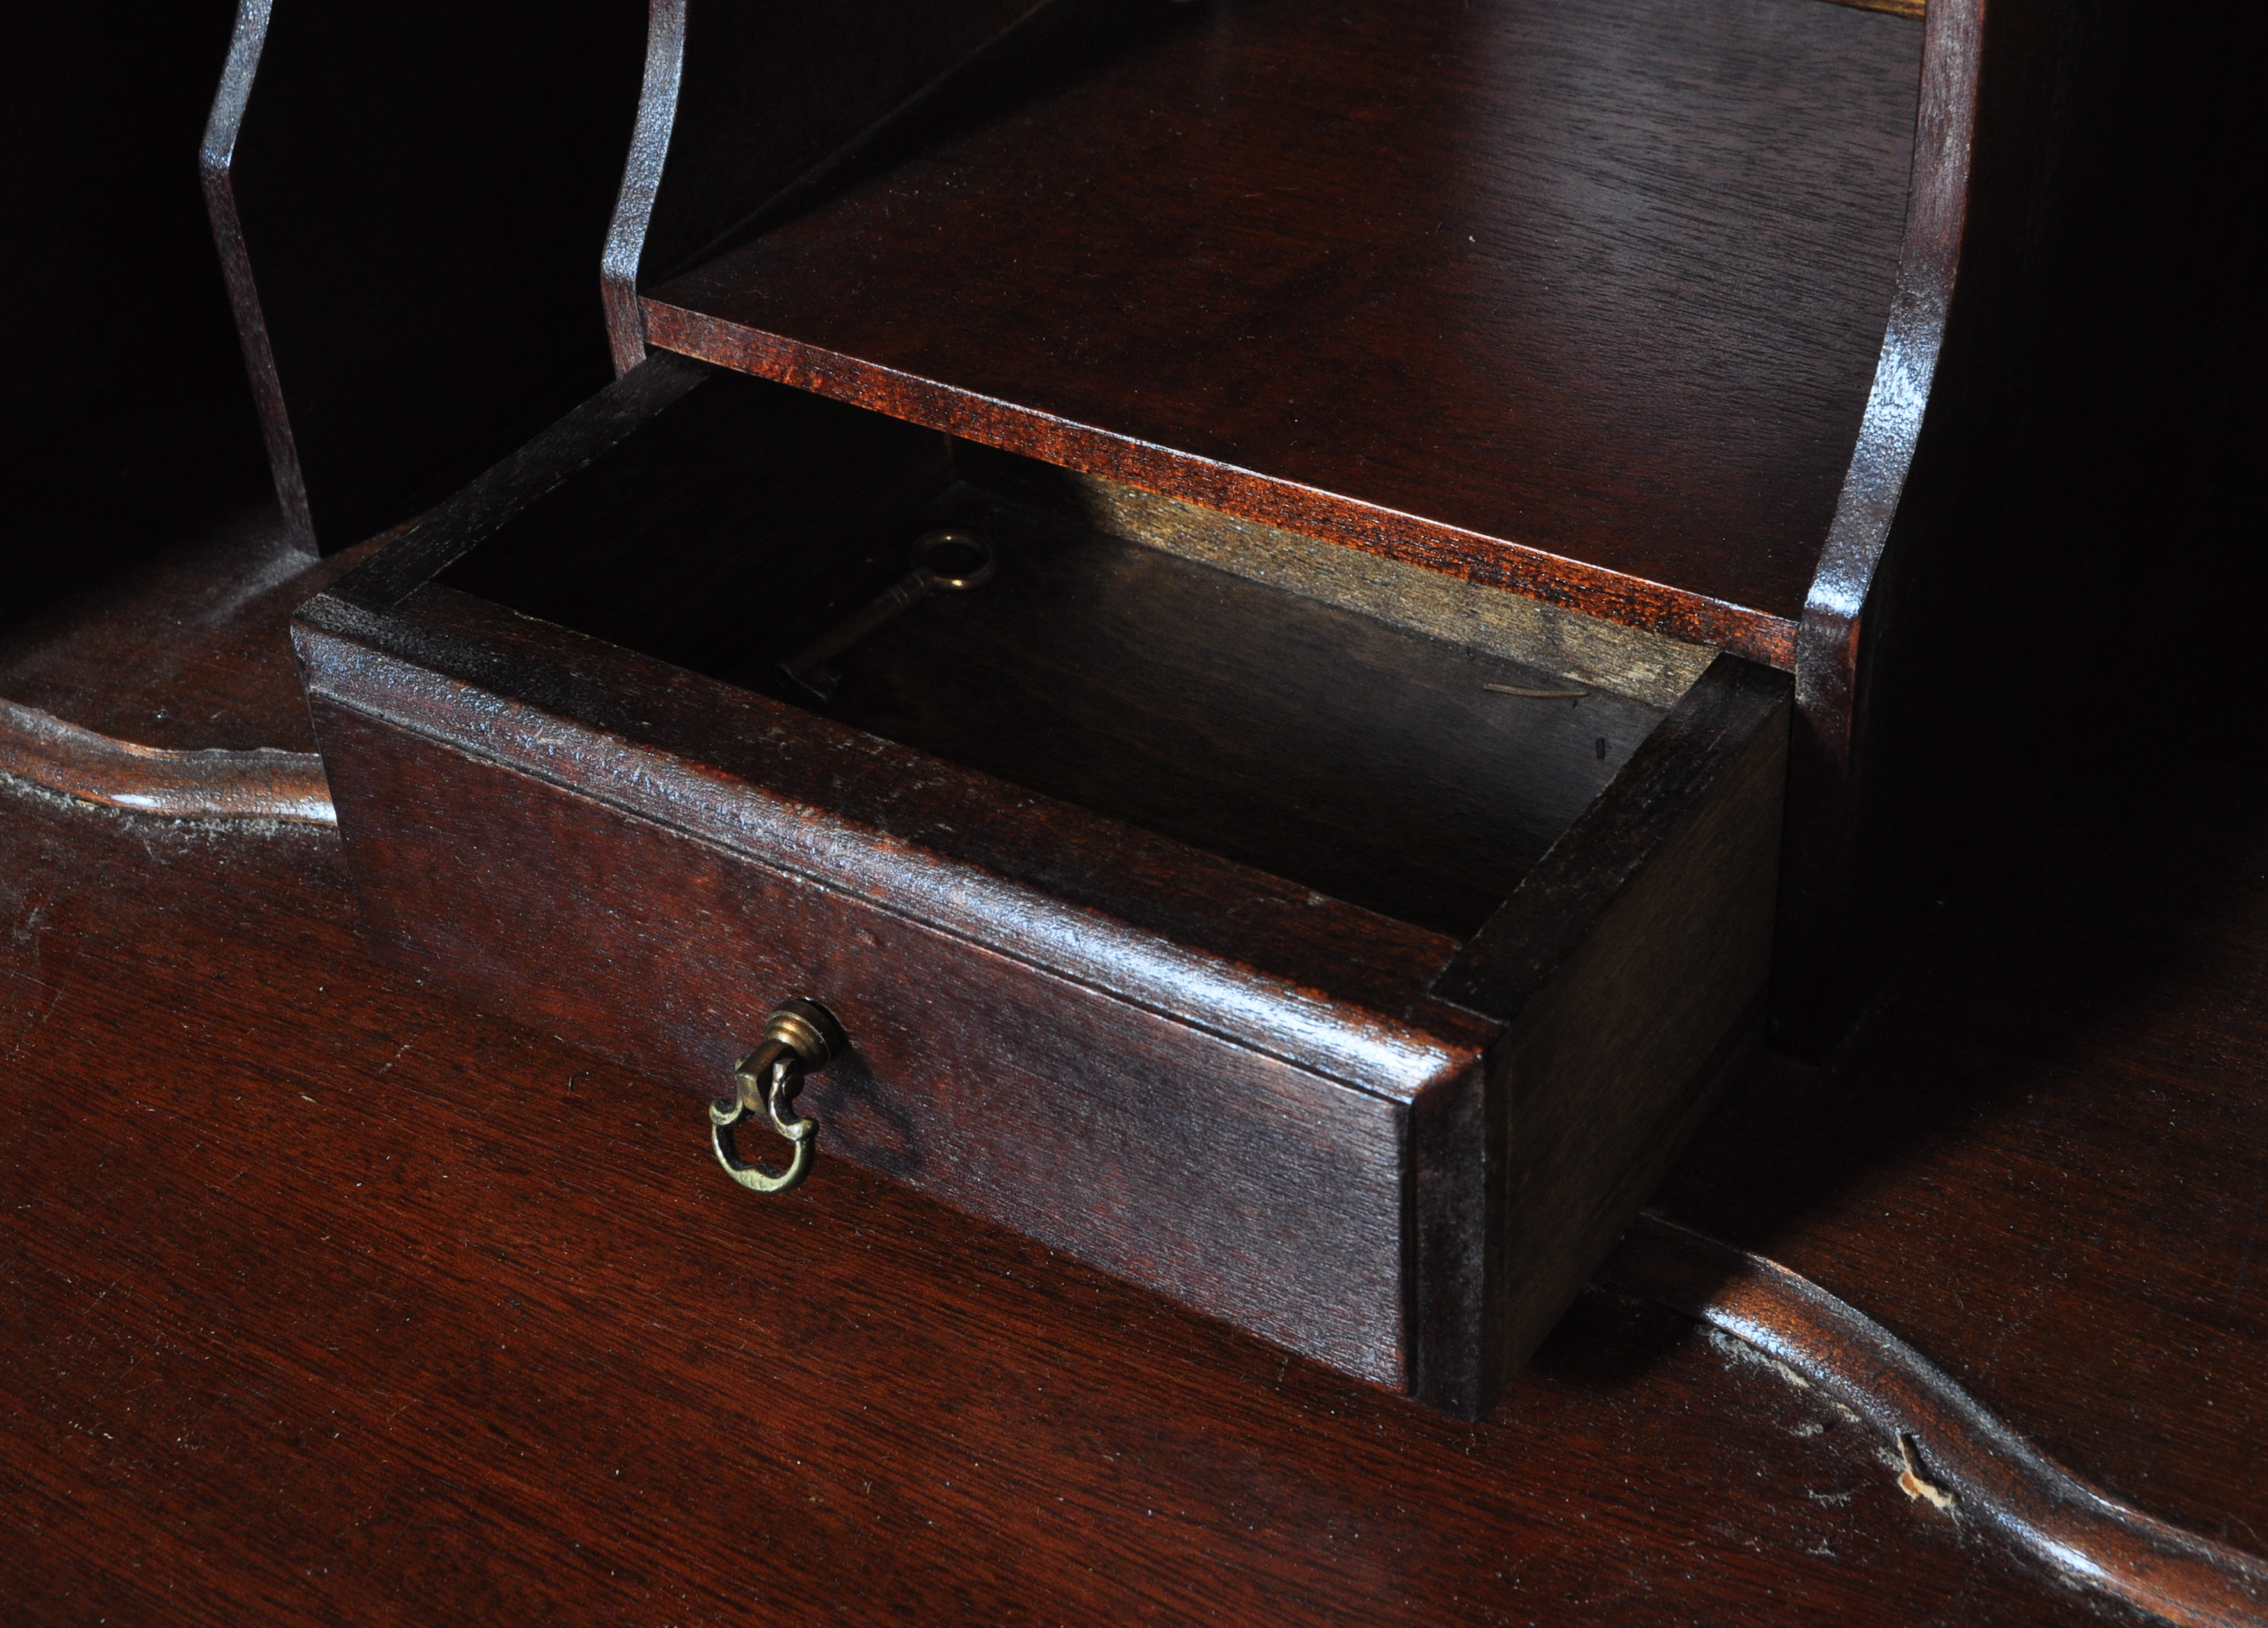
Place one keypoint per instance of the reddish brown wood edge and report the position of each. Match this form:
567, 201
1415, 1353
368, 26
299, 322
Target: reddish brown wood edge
1470, 556
1952, 1446
262, 785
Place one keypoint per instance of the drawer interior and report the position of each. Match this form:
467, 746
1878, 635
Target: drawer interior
1416, 773
1329, 944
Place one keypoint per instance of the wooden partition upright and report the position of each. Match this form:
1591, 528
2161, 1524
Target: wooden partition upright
1704, 320
743, 104
408, 199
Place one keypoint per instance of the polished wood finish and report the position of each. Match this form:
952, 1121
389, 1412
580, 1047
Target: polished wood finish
1956, 1455
409, 202
1628, 969
759, 102
1812, 406
1679, 382
212, 784
480, 1327
1128, 875
1260, 1181
1442, 283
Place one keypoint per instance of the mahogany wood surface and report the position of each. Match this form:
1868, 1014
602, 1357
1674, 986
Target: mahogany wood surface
1629, 968
1044, 999
360, 1306
1581, 299
743, 102
1954, 1453
267, 784
1252, 1185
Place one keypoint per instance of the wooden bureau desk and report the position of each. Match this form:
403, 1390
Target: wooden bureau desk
327, 1296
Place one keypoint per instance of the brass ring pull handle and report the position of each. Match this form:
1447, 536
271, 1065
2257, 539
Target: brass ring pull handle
799, 1038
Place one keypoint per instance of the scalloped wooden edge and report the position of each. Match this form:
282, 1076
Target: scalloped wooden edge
1913, 9
264, 784
1970, 1464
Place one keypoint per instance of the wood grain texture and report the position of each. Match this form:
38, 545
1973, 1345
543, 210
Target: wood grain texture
1221, 1177
1628, 969
1656, 911
1161, 888
1573, 301
521, 1365
763, 98
1210, 831
410, 1397
262, 785
512, 1367
2050, 1138
405, 193
1956, 1452
1002, 1060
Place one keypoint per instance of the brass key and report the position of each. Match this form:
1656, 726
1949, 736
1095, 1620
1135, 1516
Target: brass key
947, 561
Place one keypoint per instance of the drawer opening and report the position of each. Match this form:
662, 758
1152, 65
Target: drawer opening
1199, 678
1409, 926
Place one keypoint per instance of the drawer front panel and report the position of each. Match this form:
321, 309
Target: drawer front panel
1241, 1185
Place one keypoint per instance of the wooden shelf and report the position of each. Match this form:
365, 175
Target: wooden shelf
1579, 296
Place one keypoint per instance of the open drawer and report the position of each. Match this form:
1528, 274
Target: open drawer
1342, 953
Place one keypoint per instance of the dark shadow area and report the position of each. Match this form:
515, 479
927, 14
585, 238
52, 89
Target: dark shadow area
1058, 45
2101, 773
423, 191
1607, 1340
184, 646
128, 418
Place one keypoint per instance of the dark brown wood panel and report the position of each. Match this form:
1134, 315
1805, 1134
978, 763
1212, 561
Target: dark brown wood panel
391, 1312
386, 1311
1631, 971
1179, 1118
1232, 1181
1370, 763
1581, 299
680, 747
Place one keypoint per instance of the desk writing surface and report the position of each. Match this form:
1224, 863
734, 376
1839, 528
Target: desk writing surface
326, 1297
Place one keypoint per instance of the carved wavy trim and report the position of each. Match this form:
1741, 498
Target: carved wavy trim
262, 785
1956, 1454
1914, 9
